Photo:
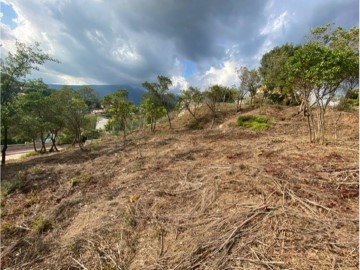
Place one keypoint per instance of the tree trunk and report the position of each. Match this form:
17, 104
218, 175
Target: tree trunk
53, 141
213, 121
337, 125
34, 144
193, 115
3, 150
124, 137
43, 147
168, 116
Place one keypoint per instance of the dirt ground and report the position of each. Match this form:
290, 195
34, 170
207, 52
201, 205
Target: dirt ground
221, 198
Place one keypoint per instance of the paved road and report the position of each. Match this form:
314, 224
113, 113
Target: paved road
16, 151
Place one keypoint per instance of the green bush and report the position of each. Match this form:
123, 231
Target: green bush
92, 134
256, 123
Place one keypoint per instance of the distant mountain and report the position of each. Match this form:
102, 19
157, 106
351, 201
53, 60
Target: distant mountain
103, 90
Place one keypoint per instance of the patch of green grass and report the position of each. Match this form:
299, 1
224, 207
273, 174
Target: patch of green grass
10, 186
82, 178
256, 123
30, 154
42, 225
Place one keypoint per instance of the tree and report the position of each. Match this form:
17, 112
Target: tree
318, 71
73, 113
250, 80
13, 69
90, 97
342, 40
243, 75
151, 112
32, 110
212, 98
159, 94
120, 109
190, 100
274, 77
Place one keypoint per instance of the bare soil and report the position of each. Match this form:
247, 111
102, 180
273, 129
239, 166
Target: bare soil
221, 198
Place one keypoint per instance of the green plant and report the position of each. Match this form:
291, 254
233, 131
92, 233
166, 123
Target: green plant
82, 178
256, 123
11, 186
30, 154
8, 229
41, 225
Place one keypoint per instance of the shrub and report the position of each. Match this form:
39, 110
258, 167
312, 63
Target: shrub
256, 123
92, 134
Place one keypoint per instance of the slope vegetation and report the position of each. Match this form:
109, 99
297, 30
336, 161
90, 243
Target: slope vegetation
225, 198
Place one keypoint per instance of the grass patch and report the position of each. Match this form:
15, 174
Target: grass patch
82, 178
256, 123
30, 154
10, 186
42, 225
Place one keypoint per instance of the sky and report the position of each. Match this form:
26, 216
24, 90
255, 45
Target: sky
197, 43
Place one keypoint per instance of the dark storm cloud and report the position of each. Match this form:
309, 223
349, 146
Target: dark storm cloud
132, 41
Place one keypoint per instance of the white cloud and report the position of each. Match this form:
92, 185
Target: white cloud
223, 75
276, 25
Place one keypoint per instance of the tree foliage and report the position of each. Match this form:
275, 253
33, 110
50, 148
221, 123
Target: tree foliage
274, 76
318, 71
158, 93
13, 69
120, 109
190, 99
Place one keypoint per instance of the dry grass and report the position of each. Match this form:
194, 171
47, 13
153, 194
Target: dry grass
226, 198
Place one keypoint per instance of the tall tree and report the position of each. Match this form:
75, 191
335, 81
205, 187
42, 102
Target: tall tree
13, 69
74, 113
120, 108
212, 98
190, 99
159, 94
250, 81
151, 112
274, 77
90, 97
317, 72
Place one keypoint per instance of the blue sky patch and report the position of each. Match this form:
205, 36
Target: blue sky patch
8, 15
189, 68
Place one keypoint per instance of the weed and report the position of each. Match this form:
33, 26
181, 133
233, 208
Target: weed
32, 199
13, 185
195, 125
82, 178
37, 170
76, 247
30, 154
256, 123
129, 220
8, 229
42, 225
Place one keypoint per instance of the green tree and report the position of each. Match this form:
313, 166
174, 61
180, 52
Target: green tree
74, 113
274, 77
212, 98
119, 108
190, 100
151, 112
250, 81
318, 71
90, 97
32, 118
159, 95
13, 69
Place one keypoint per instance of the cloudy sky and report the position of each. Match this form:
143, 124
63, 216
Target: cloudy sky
199, 42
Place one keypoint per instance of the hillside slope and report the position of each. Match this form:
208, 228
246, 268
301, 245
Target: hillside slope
226, 198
